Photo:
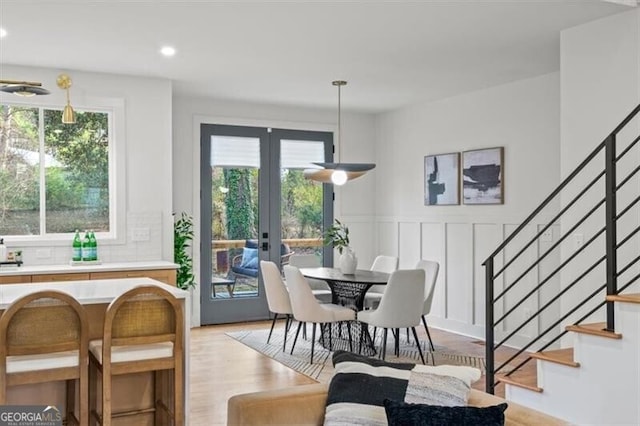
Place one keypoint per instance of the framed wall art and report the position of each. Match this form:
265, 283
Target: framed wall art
483, 176
442, 179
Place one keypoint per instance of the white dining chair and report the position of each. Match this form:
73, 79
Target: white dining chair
320, 288
381, 263
400, 307
431, 269
307, 309
277, 297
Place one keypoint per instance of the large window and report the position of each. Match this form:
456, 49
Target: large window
54, 177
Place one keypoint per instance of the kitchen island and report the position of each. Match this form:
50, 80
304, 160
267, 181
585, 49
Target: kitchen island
95, 296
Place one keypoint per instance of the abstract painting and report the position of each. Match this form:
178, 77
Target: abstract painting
483, 176
442, 179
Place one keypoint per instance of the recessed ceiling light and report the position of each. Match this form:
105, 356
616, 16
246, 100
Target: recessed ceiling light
168, 51
3, 33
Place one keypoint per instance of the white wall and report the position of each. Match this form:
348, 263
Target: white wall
354, 201
523, 117
600, 85
145, 163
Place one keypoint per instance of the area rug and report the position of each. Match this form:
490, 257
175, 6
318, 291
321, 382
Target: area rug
322, 368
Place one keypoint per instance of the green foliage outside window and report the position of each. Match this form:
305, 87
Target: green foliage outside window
75, 168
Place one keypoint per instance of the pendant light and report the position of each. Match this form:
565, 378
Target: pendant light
23, 88
68, 114
338, 173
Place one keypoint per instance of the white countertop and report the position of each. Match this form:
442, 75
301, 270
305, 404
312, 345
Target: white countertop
68, 269
87, 292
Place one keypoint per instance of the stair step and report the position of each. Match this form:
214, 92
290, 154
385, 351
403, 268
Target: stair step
526, 381
628, 298
559, 356
596, 329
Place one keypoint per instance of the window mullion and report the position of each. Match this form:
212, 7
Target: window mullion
43, 191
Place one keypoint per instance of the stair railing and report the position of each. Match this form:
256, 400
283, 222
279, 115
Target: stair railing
609, 229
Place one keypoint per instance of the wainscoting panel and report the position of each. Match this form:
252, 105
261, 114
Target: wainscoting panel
387, 238
552, 287
460, 247
433, 248
524, 283
459, 272
486, 237
409, 245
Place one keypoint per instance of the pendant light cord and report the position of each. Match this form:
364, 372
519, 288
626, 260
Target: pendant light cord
339, 83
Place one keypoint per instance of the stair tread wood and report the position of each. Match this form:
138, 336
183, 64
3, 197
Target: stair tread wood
526, 381
596, 329
628, 298
559, 356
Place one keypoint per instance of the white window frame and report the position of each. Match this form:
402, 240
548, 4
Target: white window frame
115, 107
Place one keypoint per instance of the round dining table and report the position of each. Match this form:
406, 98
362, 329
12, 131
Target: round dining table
349, 290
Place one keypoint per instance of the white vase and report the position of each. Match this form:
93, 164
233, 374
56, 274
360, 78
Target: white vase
348, 261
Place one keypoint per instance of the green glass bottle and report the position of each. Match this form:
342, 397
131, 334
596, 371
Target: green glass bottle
93, 243
86, 247
77, 247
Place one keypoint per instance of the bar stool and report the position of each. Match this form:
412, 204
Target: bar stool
143, 331
44, 338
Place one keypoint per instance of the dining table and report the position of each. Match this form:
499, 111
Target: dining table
349, 290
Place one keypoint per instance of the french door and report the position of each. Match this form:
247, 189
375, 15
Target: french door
256, 205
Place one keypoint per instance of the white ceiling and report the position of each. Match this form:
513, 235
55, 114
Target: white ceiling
393, 53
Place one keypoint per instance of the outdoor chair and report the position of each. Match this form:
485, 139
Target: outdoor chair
247, 263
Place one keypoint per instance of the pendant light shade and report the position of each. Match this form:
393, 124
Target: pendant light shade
338, 173
22, 88
68, 114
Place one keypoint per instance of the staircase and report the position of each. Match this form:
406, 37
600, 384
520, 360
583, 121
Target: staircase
586, 330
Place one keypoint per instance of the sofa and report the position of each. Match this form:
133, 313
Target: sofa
304, 405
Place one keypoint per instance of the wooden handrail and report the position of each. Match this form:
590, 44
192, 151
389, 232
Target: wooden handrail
292, 242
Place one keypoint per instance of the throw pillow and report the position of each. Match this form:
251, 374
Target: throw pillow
360, 386
403, 414
249, 258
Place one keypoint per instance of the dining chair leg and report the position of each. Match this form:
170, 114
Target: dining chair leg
424, 321
397, 343
349, 332
415, 336
290, 322
384, 343
330, 326
296, 338
408, 337
273, 323
287, 324
362, 328
313, 340
71, 399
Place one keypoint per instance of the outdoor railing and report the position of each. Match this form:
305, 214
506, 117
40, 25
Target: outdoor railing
291, 242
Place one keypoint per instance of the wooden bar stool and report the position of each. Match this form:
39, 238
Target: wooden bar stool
143, 331
43, 338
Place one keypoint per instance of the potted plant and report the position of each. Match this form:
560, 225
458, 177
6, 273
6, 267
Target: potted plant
338, 236
182, 236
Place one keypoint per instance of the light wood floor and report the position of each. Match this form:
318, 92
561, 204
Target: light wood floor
222, 367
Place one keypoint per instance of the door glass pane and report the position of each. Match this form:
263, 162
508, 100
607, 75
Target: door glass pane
301, 202
235, 168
